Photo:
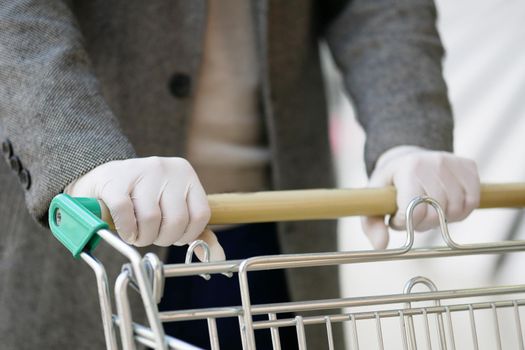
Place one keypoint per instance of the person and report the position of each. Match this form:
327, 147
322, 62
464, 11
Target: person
107, 99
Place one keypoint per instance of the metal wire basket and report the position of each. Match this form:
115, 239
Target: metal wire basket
434, 324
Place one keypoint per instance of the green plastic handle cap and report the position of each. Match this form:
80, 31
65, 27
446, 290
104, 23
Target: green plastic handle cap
75, 222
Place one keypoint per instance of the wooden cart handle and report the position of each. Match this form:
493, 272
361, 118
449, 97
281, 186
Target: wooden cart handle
237, 208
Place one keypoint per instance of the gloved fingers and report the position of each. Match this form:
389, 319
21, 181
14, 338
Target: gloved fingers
199, 213
94, 182
465, 170
105, 214
454, 210
433, 188
121, 209
82, 187
407, 189
175, 215
376, 231
146, 196
216, 251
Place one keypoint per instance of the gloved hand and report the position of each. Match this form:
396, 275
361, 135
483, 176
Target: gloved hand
451, 180
151, 201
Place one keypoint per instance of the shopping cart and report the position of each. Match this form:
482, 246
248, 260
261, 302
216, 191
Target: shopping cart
76, 223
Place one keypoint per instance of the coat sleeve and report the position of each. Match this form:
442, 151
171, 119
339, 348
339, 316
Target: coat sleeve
390, 53
55, 124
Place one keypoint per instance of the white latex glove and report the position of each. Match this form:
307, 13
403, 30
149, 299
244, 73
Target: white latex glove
151, 201
449, 179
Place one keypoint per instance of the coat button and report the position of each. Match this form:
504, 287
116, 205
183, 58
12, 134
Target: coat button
180, 85
14, 163
7, 149
25, 178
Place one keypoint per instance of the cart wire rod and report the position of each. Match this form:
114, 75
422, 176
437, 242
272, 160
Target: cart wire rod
450, 328
327, 304
104, 297
355, 338
496, 325
401, 316
369, 315
301, 336
473, 329
145, 336
276, 339
214, 335
518, 324
379, 331
195, 268
329, 332
124, 310
199, 314
427, 332
384, 299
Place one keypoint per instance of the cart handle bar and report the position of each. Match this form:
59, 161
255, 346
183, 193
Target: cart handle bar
238, 208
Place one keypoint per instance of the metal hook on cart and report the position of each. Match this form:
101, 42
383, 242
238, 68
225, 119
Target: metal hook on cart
440, 327
154, 269
206, 258
443, 226
191, 250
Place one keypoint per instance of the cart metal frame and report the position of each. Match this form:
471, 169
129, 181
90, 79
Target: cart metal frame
146, 275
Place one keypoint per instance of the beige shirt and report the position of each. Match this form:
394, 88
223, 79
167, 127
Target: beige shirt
226, 145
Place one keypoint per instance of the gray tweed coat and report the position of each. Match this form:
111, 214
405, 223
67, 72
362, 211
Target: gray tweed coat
85, 82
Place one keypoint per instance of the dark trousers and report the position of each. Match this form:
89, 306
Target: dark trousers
195, 292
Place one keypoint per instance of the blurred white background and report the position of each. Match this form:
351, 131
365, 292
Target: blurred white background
485, 72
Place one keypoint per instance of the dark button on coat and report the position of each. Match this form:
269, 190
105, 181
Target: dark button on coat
180, 85
25, 178
14, 164
7, 149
